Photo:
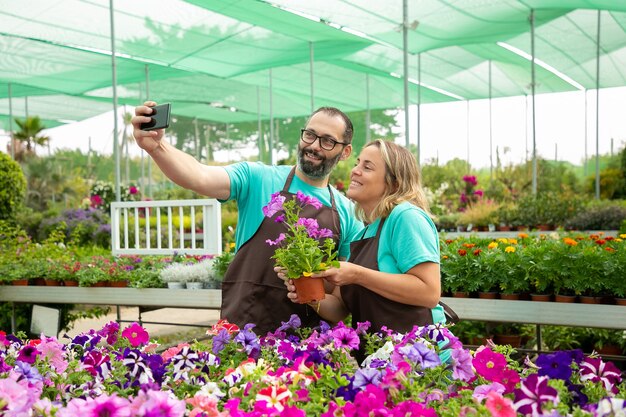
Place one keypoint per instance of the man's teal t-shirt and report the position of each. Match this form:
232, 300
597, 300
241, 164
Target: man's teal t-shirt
407, 223
252, 185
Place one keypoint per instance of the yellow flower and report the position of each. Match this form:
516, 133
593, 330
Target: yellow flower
623, 235
617, 239
322, 265
232, 245
509, 249
307, 274
503, 240
493, 245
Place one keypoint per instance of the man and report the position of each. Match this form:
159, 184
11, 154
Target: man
251, 291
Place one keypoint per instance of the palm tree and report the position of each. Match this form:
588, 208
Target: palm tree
29, 135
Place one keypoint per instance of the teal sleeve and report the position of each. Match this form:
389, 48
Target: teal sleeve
413, 237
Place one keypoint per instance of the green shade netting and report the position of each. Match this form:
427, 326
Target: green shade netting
212, 59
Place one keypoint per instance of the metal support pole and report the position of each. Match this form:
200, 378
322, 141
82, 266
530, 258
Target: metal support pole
490, 128
419, 109
11, 124
368, 114
532, 85
271, 122
467, 132
586, 116
405, 65
598, 110
147, 71
116, 151
311, 70
259, 125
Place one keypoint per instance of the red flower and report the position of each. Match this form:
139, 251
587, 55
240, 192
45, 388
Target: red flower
600, 242
222, 324
462, 252
477, 252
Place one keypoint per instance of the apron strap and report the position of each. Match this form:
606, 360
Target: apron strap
290, 179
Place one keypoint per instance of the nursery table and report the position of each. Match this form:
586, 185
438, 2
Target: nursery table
533, 312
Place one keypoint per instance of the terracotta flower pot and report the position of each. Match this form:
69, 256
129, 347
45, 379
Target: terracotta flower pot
513, 296
489, 295
119, 284
559, 298
52, 283
541, 297
309, 289
460, 294
70, 283
20, 282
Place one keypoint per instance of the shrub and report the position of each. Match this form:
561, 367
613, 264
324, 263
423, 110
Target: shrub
598, 218
84, 227
12, 188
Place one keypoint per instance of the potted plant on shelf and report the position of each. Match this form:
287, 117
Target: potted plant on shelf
220, 265
303, 248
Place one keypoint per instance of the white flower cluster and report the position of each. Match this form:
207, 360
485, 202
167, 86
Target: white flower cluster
195, 272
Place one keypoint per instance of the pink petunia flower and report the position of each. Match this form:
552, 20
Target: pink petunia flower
499, 406
136, 335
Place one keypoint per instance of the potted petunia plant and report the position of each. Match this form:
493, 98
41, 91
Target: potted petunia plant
304, 248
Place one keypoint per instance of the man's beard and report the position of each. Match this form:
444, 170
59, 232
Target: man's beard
322, 170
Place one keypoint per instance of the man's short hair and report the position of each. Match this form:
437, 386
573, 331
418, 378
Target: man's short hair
333, 111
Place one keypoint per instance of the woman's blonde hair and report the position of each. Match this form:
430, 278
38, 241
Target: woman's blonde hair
402, 181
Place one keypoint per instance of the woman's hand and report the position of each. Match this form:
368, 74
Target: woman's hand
347, 273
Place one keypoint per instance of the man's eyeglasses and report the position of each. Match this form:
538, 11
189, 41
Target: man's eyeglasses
326, 142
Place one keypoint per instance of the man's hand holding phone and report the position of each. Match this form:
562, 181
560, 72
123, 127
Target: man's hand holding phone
145, 118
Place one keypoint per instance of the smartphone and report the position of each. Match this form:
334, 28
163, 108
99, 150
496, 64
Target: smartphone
160, 118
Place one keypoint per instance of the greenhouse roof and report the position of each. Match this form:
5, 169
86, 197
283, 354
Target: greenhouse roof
212, 59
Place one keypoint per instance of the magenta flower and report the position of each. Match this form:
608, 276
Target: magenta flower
136, 335
533, 393
96, 363
305, 199
96, 201
488, 363
133, 190
470, 180
479, 193
274, 206
276, 242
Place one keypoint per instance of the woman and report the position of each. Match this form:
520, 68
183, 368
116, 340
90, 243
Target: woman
392, 277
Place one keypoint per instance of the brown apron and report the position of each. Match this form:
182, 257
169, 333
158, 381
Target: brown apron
251, 291
366, 305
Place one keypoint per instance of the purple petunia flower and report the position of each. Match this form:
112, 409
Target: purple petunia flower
421, 354
110, 332
220, 340
305, 199
280, 238
534, 391
96, 363
366, 376
345, 337
555, 365
274, 206
293, 323
461, 362
28, 354
249, 340
29, 372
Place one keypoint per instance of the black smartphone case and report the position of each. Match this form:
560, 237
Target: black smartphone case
160, 118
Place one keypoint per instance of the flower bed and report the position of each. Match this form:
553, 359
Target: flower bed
296, 372
573, 263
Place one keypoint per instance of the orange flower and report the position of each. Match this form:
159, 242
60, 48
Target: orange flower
570, 241
477, 252
522, 235
469, 245
609, 249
